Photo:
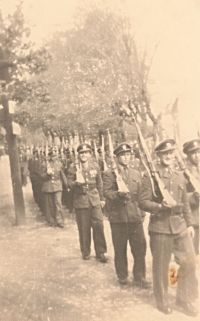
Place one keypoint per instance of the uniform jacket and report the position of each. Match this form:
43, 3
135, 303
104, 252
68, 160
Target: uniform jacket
193, 200
118, 209
167, 221
53, 183
108, 161
136, 163
90, 193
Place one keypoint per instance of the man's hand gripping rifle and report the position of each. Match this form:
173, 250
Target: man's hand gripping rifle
122, 188
79, 176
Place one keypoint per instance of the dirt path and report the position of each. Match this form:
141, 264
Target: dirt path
44, 278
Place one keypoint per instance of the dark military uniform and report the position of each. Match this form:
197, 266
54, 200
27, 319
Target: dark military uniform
32, 175
135, 162
52, 189
34, 167
87, 204
192, 195
168, 234
68, 192
126, 222
194, 204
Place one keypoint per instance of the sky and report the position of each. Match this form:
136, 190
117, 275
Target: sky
170, 26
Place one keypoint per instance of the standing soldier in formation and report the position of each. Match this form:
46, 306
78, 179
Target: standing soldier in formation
53, 178
192, 150
170, 231
125, 218
69, 192
23, 161
88, 199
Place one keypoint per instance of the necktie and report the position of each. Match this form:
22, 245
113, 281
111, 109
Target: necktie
125, 172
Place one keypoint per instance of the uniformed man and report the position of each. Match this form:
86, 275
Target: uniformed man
68, 193
125, 218
33, 175
192, 150
34, 167
100, 160
88, 200
170, 231
53, 178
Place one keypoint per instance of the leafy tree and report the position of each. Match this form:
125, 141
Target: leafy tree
95, 69
26, 62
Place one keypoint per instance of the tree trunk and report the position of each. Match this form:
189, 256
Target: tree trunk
13, 154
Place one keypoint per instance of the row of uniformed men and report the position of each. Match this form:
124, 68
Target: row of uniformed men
171, 229
32, 163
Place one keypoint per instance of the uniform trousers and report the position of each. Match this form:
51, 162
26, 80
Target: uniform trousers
162, 246
88, 218
40, 195
134, 233
53, 207
34, 188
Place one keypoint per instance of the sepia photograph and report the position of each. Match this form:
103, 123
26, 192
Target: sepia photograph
99, 160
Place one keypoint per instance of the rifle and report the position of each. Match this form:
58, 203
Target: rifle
120, 183
70, 145
105, 167
62, 148
195, 184
31, 150
79, 175
95, 150
151, 169
49, 169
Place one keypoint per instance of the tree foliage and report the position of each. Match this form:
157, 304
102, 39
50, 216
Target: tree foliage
26, 62
96, 68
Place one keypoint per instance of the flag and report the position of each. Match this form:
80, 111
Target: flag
174, 110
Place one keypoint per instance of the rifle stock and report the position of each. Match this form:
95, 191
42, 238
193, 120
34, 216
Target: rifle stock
120, 183
105, 167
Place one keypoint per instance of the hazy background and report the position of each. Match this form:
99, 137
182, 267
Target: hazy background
172, 26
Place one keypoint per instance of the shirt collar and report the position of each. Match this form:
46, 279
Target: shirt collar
121, 167
166, 171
